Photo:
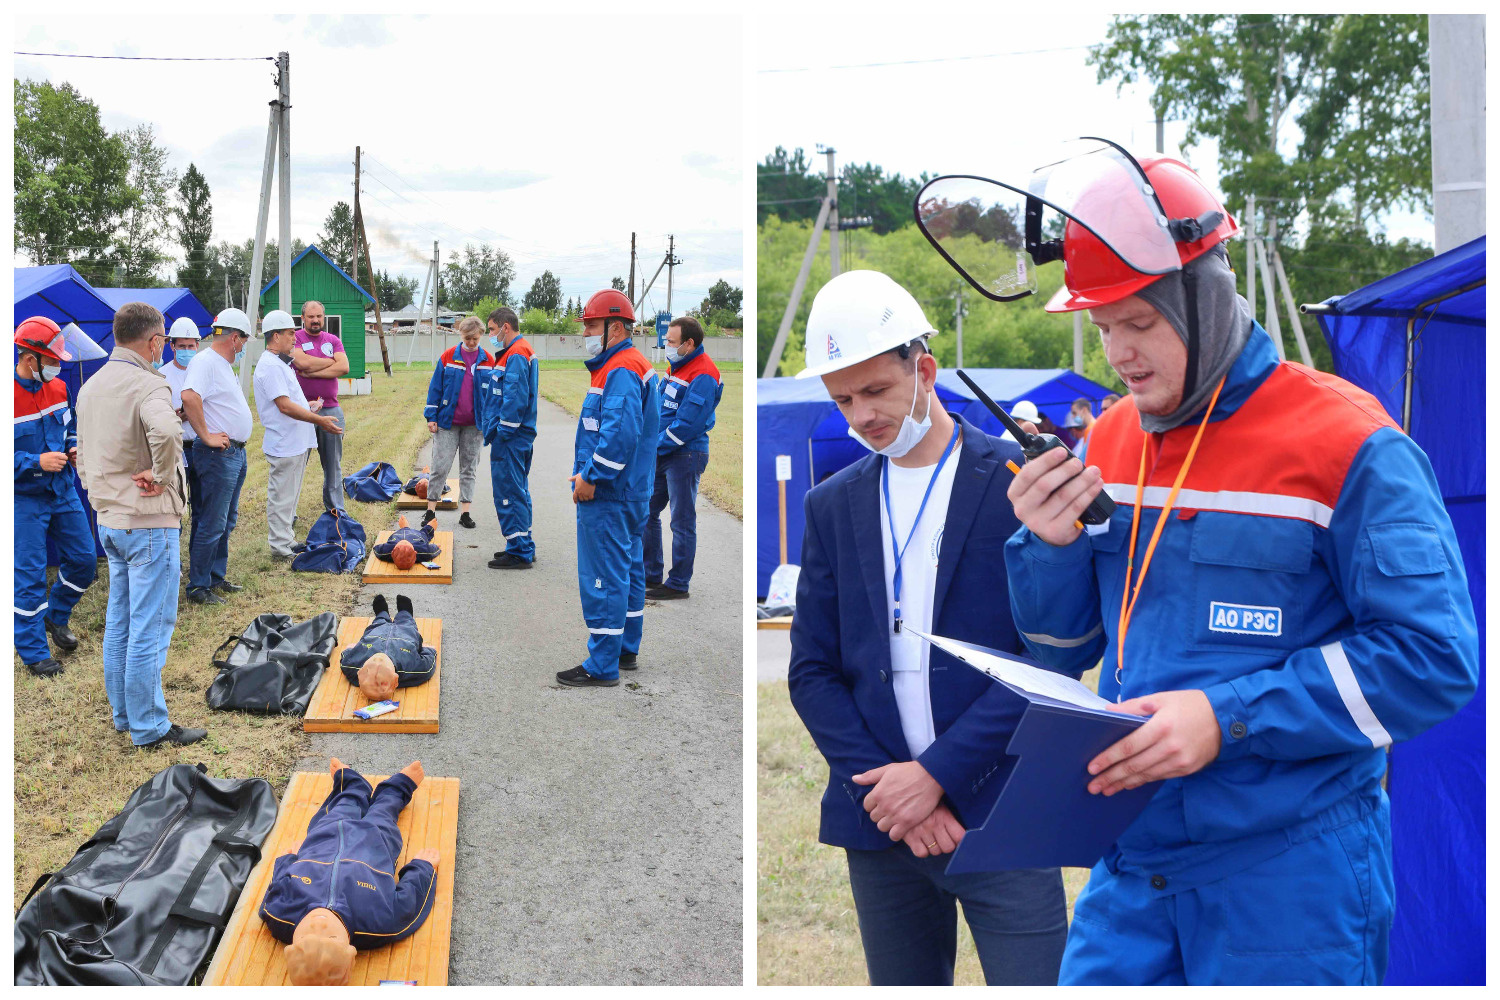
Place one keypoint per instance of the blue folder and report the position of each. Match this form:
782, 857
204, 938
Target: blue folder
1045, 816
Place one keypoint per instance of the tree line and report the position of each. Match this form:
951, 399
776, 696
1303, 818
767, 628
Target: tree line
1352, 90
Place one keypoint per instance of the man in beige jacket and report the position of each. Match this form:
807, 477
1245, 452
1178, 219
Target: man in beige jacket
130, 461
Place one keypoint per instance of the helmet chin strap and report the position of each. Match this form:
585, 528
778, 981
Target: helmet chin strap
1190, 293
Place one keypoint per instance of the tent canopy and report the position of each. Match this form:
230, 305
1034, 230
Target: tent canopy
796, 417
173, 303
1430, 319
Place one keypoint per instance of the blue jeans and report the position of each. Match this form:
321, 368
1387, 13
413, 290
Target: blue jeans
1319, 913
677, 477
221, 473
909, 924
144, 566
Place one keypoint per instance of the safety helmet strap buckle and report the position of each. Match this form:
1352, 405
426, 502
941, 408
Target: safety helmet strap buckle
1193, 230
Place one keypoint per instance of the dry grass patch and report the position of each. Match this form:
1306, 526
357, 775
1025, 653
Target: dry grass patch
806, 929
73, 771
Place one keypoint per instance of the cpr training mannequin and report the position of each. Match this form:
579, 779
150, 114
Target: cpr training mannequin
418, 485
390, 654
407, 545
334, 893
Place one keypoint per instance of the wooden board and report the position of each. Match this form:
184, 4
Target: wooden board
333, 703
249, 956
377, 571
405, 501
785, 622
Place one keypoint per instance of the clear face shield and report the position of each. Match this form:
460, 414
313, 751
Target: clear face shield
995, 234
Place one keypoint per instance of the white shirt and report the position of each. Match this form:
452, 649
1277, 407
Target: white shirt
909, 654
174, 377
285, 436
224, 408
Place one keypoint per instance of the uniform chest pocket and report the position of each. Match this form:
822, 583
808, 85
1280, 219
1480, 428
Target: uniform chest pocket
1249, 581
588, 415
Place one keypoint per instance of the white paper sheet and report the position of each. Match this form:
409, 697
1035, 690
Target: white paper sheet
1017, 673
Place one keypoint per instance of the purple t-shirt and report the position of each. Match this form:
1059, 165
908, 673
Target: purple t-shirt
324, 345
463, 413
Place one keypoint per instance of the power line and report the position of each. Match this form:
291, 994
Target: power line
74, 55
936, 59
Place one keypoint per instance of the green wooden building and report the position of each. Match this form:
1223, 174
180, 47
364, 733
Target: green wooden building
316, 277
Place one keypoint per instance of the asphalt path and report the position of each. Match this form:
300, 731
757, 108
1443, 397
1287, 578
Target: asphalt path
599, 836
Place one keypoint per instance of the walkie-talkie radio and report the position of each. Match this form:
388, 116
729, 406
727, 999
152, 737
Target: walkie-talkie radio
1032, 445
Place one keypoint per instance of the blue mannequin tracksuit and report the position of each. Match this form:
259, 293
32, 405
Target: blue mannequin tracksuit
421, 540
505, 397
443, 389
689, 398
1310, 584
345, 864
397, 637
47, 509
615, 449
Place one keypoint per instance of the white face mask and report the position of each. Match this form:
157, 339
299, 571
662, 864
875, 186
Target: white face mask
912, 431
673, 355
50, 372
594, 345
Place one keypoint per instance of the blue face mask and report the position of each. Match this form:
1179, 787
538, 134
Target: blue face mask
186, 355
495, 343
239, 355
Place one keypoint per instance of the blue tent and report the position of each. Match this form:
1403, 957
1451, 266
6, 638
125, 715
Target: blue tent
59, 292
173, 303
796, 417
1415, 340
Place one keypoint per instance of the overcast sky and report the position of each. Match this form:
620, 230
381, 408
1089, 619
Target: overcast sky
957, 105
473, 129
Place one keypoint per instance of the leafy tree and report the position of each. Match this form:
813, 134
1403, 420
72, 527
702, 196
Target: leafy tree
396, 292
545, 294
476, 273
485, 306
71, 178
788, 188
617, 283
337, 238
785, 187
722, 297
537, 322
866, 191
195, 230
148, 217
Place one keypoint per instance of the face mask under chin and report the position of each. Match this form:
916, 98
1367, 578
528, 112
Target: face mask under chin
912, 431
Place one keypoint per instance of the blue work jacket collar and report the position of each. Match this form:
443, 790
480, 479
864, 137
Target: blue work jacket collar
1257, 360
696, 351
594, 364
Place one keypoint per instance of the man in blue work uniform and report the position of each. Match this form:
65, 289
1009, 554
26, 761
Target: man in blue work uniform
47, 504
1306, 606
505, 394
689, 397
908, 539
614, 463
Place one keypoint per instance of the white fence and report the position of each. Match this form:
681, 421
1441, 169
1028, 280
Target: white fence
569, 347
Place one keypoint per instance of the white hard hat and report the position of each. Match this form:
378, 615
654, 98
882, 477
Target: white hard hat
276, 319
233, 319
856, 316
1026, 410
184, 328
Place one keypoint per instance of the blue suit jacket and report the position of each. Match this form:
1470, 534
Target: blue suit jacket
840, 674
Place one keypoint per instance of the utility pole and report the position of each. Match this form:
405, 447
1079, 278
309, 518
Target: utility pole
278, 123
362, 244
1273, 325
958, 322
284, 256
630, 288
435, 351
833, 215
672, 261
1161, 134
354, 271
1455, 44
1250, 253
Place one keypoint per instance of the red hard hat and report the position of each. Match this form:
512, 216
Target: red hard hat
43, 336
608, 304
1094, 275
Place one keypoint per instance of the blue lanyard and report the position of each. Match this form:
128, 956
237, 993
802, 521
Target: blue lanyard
885, 485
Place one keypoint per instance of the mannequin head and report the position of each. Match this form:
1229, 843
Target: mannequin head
422, 488
404, 555
320, 953
377, 678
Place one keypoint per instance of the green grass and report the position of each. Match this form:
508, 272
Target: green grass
73, 771
806, 929
723, 481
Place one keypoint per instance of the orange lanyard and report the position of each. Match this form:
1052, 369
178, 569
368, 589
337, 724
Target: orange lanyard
1126, 609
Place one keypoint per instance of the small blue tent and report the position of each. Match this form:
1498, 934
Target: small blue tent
173, 303
796, 417
1415, 340
59, 292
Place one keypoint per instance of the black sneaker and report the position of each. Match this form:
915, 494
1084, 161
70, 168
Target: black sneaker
175, 737
504, 560
665, 593
428, 517
579, 677
225, 587
47, 668
652, 583
203, 595
62, 638
627, 661
467, 520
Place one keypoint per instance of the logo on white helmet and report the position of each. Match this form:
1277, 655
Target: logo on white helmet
833, 348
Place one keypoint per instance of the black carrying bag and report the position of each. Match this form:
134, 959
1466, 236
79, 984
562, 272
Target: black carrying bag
274, 666
145, 900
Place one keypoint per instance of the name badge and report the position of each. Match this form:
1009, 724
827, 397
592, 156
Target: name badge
1243, 619
590, 424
